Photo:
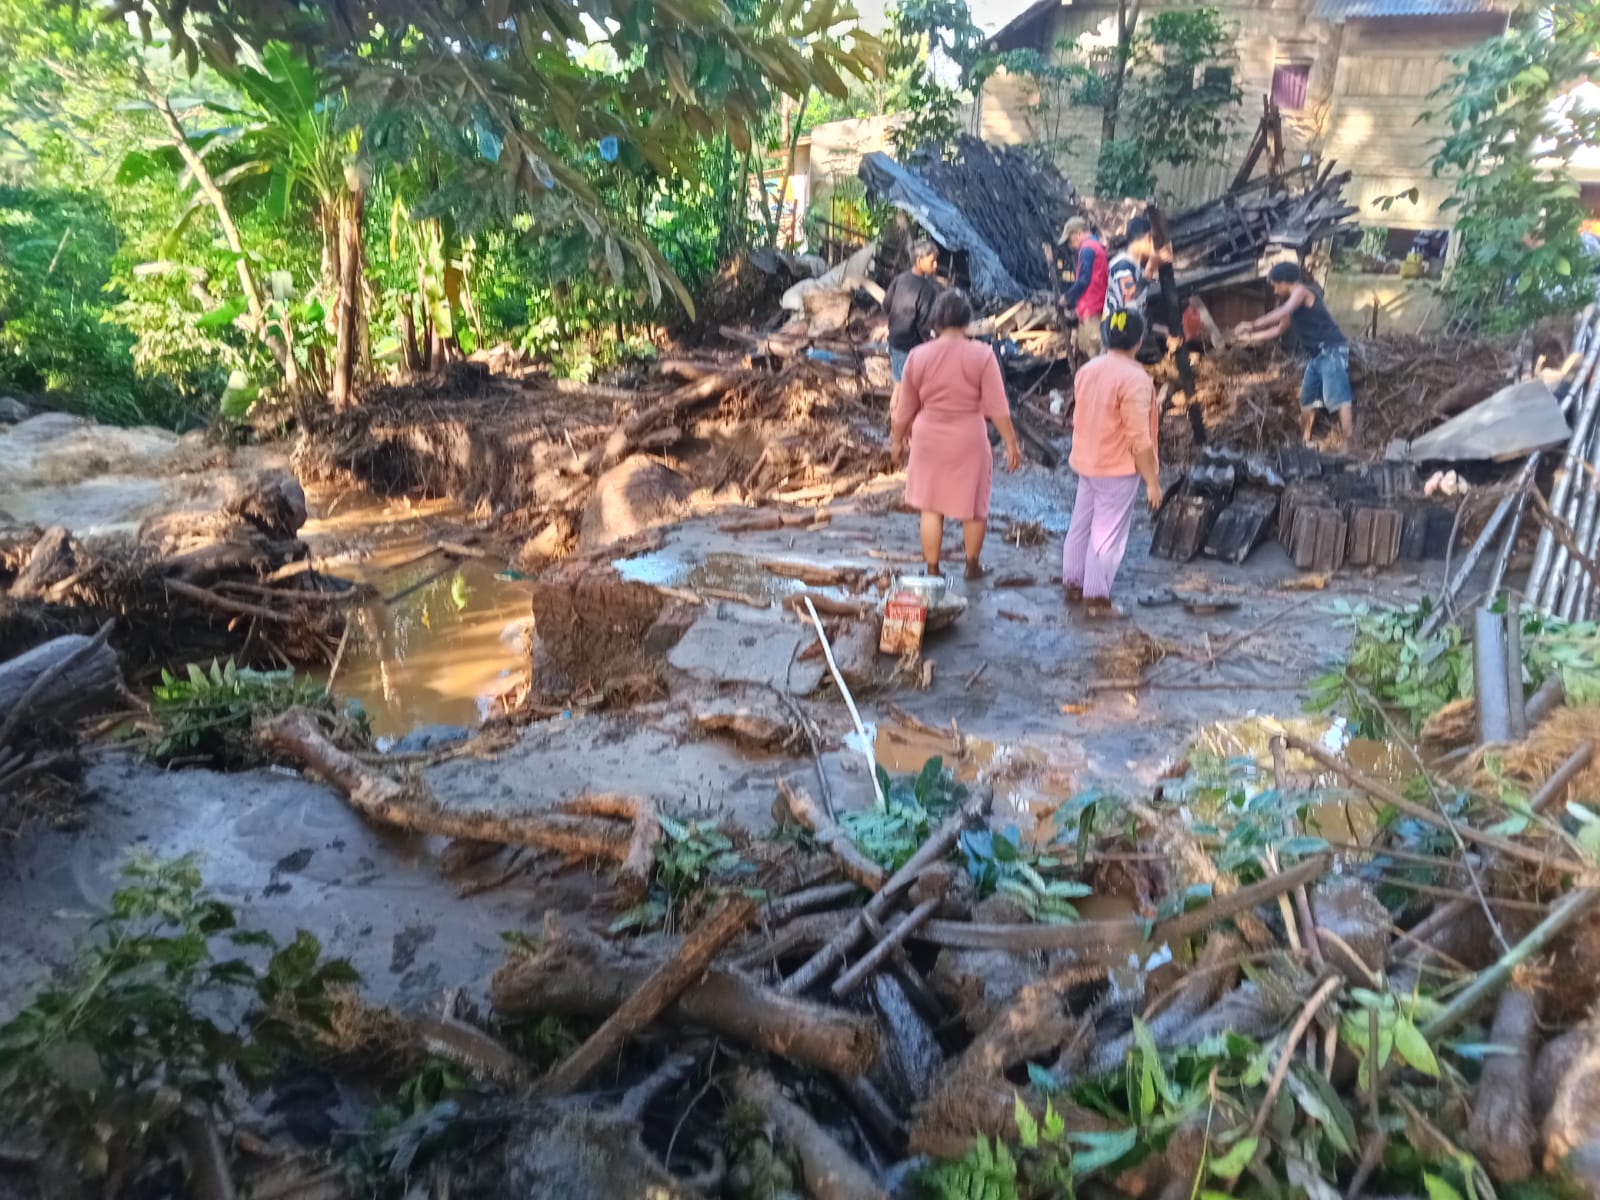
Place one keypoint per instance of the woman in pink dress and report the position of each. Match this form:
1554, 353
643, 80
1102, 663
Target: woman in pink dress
951, 386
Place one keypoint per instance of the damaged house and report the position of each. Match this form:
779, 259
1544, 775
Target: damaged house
1351, 79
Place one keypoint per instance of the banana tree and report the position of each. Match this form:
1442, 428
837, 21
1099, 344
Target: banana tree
294, 134
510, 77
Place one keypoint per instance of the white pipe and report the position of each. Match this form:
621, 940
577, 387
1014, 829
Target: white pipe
850, 703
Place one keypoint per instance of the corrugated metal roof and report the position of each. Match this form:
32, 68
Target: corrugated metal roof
1345, 10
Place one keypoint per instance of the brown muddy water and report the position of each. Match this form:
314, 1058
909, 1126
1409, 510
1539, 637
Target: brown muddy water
444, 639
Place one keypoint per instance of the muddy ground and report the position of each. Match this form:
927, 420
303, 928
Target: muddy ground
1017, 679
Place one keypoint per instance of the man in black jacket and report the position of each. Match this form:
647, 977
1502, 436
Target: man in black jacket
909, 302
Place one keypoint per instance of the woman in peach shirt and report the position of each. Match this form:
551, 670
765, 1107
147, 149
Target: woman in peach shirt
1113, 448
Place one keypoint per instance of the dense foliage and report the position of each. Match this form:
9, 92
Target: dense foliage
1392, 668
1515, 123
932, 45
285, 202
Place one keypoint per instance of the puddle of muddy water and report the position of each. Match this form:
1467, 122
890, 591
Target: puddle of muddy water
1030, 784
453, 640
718, 572
1238, 755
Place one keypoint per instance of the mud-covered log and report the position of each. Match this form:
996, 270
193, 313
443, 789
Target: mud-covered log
912, 1056
1555, 1056
663, 986
1572, 1127
573, 1154
972, 1097
1036, 1022
411, 807
575, 976
1501, 1132
1351, 912
58, 682
1213, 975
829, 1173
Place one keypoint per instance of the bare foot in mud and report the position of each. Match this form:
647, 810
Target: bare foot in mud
975, 570
1101, 609
1073, 593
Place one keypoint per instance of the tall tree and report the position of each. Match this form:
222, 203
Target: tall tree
925, 35
506, 70
1166, 92
1173, 95
1117, 70
1515, 123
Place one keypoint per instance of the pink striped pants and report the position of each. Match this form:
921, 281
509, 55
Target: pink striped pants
1097, 536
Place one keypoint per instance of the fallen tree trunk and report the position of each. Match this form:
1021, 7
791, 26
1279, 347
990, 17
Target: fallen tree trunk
1501, 1132
665, 984
577, 976
411, 807
58, 682
829, 1173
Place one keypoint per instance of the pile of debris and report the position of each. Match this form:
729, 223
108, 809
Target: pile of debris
1405, 385
191, 586
874, 1010
578, 466
1225, 239
999, 212
1434, 408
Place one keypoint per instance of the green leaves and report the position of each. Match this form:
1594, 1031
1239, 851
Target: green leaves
998, 863
1397, 1034
1413, 1048
108, 1058
1238, 1157
1322, 1104
223, 315
1510, 143
1097, 1151
207, 715
986, 1172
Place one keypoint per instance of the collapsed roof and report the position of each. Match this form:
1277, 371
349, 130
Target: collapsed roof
999, 205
